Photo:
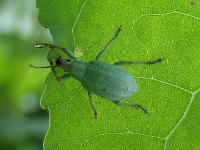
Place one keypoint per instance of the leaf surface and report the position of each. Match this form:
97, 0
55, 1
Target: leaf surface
171, 90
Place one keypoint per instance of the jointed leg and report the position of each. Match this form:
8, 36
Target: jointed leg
109, 44
54, 71
150, 62
63, 77
52, 68
39, 67
136, 106
65, 50
92, 104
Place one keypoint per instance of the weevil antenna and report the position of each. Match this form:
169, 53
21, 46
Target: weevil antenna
65, 50
44, 45
40, 66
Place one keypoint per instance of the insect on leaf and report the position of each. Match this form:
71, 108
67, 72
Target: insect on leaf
171, 90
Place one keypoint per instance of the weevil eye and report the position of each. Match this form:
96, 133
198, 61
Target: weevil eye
58, 61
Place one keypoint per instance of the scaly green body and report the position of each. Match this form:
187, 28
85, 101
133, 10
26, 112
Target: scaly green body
110, 81
106, 80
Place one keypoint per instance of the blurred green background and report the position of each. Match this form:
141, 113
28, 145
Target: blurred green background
22, 122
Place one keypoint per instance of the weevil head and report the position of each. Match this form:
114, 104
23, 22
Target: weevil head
62, 62
58, 59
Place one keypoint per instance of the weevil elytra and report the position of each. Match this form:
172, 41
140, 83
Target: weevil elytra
109, 81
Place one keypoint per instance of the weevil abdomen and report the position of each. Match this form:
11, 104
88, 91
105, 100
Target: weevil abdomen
109, 81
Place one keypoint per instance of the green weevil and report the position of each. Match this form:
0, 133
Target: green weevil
109, 81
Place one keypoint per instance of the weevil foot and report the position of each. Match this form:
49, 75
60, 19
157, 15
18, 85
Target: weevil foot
92, 104
95, 114
159, 60
119, 29
41, 45
146, 111
136, 106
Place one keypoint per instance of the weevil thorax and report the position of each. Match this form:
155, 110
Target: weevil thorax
76, 68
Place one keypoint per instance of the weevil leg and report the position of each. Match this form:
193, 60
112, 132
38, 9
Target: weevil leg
33, 66
136, 106
54, 71
109, 44
65, 50
150, 62
92, 104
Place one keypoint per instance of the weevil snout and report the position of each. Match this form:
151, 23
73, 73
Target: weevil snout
62, 62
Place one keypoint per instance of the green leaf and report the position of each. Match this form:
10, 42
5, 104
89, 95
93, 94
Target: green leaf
171, 90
